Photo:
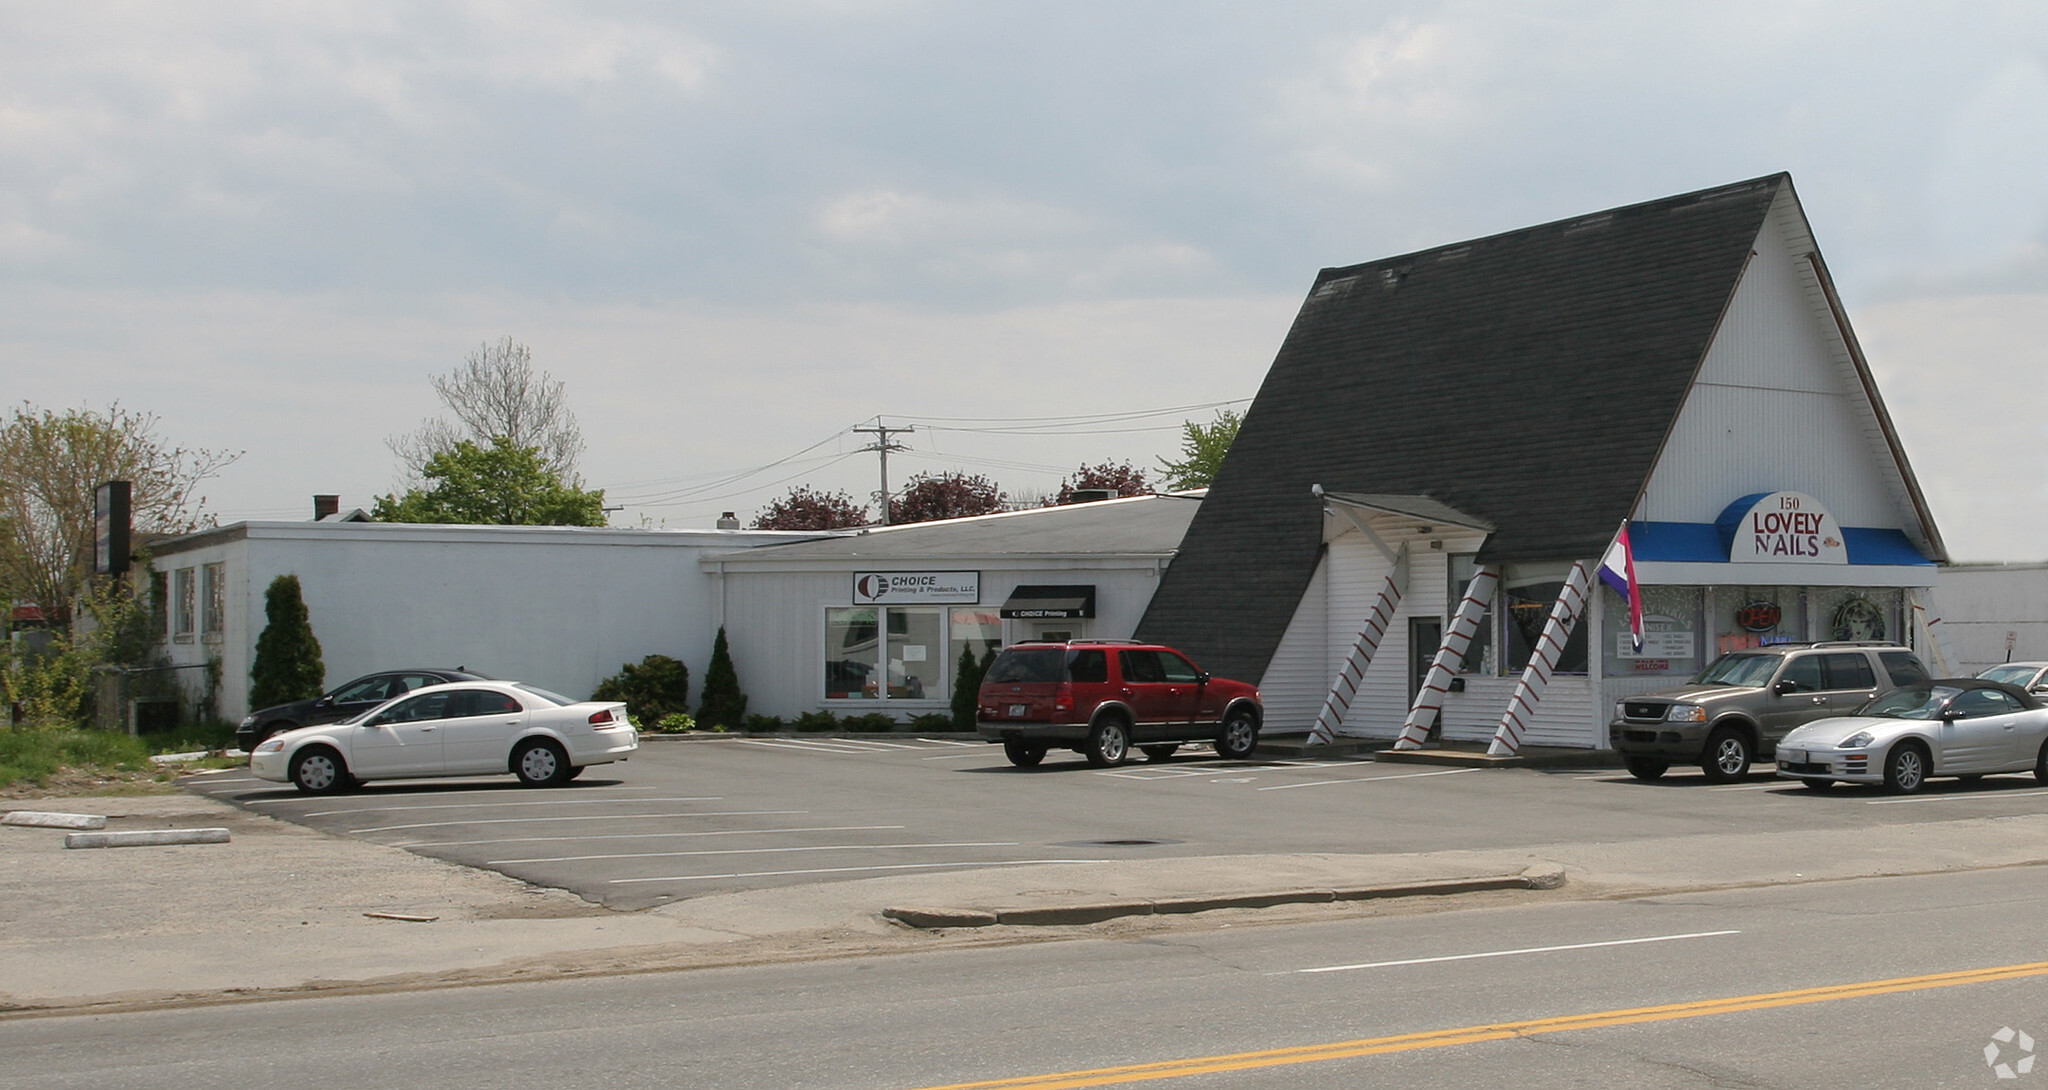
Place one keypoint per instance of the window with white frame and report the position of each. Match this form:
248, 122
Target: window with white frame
214, 612
894, 652
185, 602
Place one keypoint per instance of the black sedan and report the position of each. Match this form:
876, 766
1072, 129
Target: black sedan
360, 695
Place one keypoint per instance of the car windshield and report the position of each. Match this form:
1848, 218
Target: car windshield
1747, 671
1919, 702
552, 698
2011, 675
1020, 664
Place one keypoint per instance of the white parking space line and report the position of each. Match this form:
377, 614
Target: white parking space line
645, 836
751, 851
852, 870
876, 743
951, 742
1974, 796
1365, 779
535, 802
500, 790
959, 756
1509, 953
583, 817
1153, 773
803, 746
1755, 786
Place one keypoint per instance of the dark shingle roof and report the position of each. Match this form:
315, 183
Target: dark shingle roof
1528, 379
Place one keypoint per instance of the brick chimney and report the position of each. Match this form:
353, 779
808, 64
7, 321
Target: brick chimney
324, 506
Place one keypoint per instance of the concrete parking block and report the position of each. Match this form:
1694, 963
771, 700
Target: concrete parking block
146, 837
47, 820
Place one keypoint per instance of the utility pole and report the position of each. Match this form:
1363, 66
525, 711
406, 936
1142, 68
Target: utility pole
883, 446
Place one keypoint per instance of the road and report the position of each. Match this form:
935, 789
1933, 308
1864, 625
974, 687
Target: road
683, 819
1274, 998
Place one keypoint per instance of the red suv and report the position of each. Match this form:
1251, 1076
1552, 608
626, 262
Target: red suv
1101, 697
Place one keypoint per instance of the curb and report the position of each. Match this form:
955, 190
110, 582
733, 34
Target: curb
146, 837
930, 918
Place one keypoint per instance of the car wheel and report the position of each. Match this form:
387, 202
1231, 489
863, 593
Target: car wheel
1023, 754
1159, 753
1109, 744
1817, 785
1905, 768
1727, 756
267, 730
1644, 769
1240, 735
317, 770
575, 771
2041, 765
540, 763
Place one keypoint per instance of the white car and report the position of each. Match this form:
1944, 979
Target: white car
468, 728
1965, 727
2031, 676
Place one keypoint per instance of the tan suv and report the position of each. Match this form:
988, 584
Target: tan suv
1738, 708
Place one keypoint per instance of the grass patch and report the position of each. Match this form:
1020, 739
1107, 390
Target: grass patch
72, 758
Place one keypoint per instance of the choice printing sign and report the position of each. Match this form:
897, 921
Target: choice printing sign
893, 587
1783, 527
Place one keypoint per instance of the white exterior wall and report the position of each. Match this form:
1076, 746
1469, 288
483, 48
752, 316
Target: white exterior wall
1298, 679
556, 607
1777, 407
775, 618
1979, 604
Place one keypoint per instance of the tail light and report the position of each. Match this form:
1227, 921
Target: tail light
600, 718
1063, 698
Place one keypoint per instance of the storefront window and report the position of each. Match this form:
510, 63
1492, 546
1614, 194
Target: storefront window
1671, 633
1529, 592
853, 651
977, 630
893, 652
1479, 656
1745, 617
1857, 613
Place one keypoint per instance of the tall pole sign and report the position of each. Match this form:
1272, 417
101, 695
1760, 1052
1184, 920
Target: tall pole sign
110, 527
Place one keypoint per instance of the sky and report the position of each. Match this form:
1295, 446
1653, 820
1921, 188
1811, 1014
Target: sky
1040, 234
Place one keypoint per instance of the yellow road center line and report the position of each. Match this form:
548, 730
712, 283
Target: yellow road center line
1466, 1035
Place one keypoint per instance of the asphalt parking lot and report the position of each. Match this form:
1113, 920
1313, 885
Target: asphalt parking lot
686, 818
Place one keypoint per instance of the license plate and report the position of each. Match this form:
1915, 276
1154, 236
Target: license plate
1016, 711
1792, 756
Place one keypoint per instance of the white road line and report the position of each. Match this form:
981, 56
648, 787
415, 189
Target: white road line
1754, 786
752, 851
850, 870
1510, 953
800, 746
876, 742
951, 742
958, 756
1365, 779
535, 802
581, 817
499, 790
644, 836
1974, 796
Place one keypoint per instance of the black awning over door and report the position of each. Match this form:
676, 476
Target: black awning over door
1045, 602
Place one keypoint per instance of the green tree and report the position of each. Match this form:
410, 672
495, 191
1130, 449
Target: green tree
500, 485
724, 706
50, 465
287, 665
967, 675
653, 689
1202, 448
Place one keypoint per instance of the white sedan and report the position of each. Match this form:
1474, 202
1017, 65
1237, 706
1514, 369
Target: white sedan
461, 729
1965, 727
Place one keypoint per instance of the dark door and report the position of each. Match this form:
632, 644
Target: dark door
1425, 635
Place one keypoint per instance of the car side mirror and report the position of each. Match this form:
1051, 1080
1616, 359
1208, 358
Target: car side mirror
1950, 715
323, 702
1784, 688
1201, 677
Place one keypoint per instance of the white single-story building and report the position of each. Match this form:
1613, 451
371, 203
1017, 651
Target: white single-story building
876, 621
1477, 421
560, 607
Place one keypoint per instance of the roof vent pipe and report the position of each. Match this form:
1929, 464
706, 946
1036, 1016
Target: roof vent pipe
728, 521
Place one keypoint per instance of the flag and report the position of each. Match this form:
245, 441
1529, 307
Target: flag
1618, 570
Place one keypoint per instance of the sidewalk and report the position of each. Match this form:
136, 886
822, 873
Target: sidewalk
280, 910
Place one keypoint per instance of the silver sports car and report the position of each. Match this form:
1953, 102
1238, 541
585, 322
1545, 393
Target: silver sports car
1966, 727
